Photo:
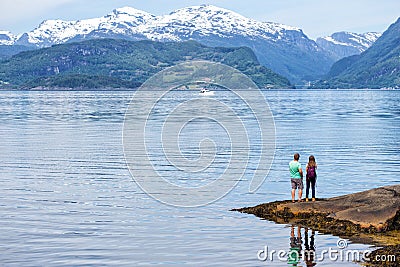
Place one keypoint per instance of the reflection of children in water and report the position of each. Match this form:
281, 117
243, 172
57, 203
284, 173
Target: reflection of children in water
295, 247
295, 253
309, 253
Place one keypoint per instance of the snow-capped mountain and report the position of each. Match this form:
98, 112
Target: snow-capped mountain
284, 49
121, 22
7, 38
179, 25
344, 44
209, 20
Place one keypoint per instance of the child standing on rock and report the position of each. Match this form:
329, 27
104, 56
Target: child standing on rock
311, 176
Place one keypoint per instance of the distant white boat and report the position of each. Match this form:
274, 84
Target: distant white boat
206, 92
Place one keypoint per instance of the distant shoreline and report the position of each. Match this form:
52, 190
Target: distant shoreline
134, 89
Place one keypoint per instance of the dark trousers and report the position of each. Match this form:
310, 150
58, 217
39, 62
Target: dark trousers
310, 181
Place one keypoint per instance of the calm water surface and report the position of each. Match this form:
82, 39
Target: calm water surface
67, 197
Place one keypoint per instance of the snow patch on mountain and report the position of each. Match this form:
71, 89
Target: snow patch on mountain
120, 21
343, 44
208, 20
7, 38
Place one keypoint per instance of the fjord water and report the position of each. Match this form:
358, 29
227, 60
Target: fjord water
67, 197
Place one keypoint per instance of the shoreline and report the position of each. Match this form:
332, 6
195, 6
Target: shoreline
368, 217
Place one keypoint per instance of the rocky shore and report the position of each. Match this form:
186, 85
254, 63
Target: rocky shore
370, 217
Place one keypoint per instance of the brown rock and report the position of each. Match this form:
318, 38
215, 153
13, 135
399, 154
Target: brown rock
373, 207
371, 216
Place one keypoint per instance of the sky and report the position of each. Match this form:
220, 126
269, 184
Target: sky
316, 18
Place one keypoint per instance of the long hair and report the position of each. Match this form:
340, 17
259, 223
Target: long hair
311, 161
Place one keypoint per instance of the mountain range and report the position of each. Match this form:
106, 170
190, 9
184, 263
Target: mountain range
284, 49
376, 67
116, 63
342, 60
